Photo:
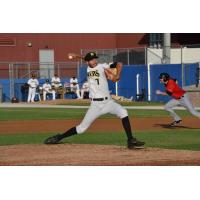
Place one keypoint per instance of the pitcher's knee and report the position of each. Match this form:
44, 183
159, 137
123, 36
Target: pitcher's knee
81, 129
123, 113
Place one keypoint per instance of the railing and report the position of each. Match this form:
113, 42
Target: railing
145, 55
23, 70
42, 70
129, 56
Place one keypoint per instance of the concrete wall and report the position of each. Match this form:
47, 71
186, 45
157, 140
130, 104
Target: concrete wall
189, 55
62, 44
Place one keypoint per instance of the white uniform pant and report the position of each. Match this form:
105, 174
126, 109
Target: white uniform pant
185, 102
83, 91
76, 90
49, 92
31, 94
56, 85
78, 94
98, 108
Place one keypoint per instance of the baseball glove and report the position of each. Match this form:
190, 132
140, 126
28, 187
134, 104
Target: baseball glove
111, 75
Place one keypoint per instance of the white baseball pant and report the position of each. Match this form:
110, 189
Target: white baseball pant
49, 92
82, 92
98, 108
31, 94
185, 102
76, 90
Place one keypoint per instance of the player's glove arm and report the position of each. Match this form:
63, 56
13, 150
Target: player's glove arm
118, 66
169, 93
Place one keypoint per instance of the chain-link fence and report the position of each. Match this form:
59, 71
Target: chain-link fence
12, 72
184, 55
131, 56
149, 55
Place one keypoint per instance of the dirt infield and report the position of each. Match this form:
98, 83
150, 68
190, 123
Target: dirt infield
40, 126
95, 155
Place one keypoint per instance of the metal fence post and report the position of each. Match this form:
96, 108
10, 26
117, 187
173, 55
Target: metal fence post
149, 80
11, 80
78, 70
58, 71
145, 55
49, 72
81, 59
182, 68
128, 62
29, 70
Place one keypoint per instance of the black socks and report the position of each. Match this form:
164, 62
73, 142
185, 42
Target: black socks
125, 123
127, 127
69, 133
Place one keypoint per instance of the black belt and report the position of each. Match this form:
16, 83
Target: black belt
99, 99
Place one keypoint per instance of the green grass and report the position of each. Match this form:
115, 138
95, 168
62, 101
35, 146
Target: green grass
181, 139
77, 103
64, 113
40, 113
172, 139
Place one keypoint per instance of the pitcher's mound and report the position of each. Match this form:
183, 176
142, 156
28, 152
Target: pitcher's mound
90, 154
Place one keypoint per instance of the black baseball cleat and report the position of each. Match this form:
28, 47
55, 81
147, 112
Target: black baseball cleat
134, 143
53, 140
174, 123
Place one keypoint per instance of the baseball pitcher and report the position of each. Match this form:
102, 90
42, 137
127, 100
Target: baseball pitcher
101, 101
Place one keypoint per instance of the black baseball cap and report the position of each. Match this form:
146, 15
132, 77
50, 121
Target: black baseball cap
90, 56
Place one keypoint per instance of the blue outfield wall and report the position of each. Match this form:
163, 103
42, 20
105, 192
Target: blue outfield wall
127, 83
175, 71
190, 73
17, 88
5, 83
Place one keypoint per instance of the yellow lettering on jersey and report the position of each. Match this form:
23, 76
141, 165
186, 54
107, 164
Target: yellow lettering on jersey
93, 74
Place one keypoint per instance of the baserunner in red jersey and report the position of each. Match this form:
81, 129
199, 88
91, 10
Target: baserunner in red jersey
180, 97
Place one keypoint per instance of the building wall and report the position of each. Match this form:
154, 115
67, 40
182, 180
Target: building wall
129, 40
61, 43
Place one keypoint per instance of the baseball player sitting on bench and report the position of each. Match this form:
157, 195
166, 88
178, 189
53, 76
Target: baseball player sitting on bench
55, 81
101, 101
47, 89
180, 97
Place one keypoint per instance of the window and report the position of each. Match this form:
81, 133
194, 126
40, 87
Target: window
156, 40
